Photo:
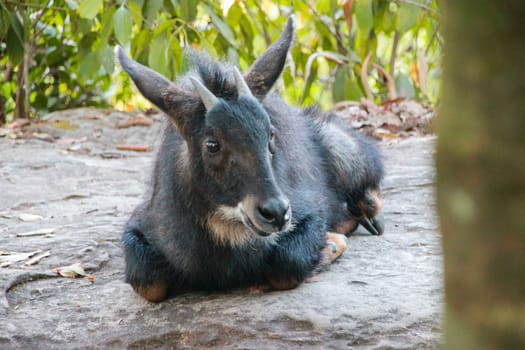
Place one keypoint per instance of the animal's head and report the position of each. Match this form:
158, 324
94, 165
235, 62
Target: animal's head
232, 147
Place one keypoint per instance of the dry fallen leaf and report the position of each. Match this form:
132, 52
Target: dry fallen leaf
43, 136
5, 215
71, 141
7, 258
71, 271
140, 120
36, 259
41, 232
29, 217
134, 148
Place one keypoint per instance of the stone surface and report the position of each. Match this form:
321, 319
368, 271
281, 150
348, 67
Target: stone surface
384, 293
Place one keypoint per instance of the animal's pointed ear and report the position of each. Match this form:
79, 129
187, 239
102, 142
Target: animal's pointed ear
179, 104
151, 84
268, 67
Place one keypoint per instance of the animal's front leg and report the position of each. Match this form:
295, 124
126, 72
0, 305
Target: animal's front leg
335, 246
298, 254
146, 269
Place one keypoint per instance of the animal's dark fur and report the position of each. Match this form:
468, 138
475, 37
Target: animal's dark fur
187, 232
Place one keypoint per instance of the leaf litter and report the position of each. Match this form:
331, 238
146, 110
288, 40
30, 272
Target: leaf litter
75, 270
8, 257
29, 217
40, 232
36, 259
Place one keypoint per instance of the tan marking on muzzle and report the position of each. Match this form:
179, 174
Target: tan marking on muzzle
227, 228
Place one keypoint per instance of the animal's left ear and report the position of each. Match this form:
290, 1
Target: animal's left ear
151, 84
176, 102
268, 67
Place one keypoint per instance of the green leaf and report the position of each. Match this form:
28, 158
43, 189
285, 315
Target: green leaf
106, 23
80, 25
164, 27
15, 47
363, 14
312, 76
385, 18
107, 58
88, 66
88, 40
72, 4
89, 8
16, 26
135, 9
123, 25
404, 86
158, 58
140, 42
4, 23
221, 26
408, 16
5, 90
365, 43
346, 86
38, 100
176, 55
152, 7
205, 44
233, 56
139, 3
247, 33
188, 10
235, 13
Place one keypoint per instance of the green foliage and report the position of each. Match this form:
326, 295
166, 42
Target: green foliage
58, 54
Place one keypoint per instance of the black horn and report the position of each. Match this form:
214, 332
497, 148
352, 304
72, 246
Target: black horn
268, 67
242, 88
207, 97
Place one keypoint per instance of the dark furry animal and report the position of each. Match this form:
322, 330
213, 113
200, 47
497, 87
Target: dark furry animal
247, 190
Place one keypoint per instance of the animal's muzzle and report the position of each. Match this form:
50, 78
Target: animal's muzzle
274, 214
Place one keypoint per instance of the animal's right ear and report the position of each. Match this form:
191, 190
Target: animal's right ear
268, 67
156, 88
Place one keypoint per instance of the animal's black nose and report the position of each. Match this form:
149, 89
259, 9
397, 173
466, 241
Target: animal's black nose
275, 212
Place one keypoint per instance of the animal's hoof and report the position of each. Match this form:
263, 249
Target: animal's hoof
332, 246
375, 225
335, 246
282, 283
155, 292
367, 212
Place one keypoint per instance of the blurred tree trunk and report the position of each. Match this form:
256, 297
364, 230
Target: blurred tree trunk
6, 77
481, 174
20, 110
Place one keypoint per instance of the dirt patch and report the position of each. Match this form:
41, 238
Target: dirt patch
73, 180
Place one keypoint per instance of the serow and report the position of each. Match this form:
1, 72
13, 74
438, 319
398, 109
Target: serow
247, 191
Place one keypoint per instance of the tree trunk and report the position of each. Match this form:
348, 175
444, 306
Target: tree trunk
481, 174
20, 98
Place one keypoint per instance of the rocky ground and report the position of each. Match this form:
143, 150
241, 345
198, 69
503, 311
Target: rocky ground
68, 184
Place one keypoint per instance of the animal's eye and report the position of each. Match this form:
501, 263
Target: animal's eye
212, 146
271, 143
